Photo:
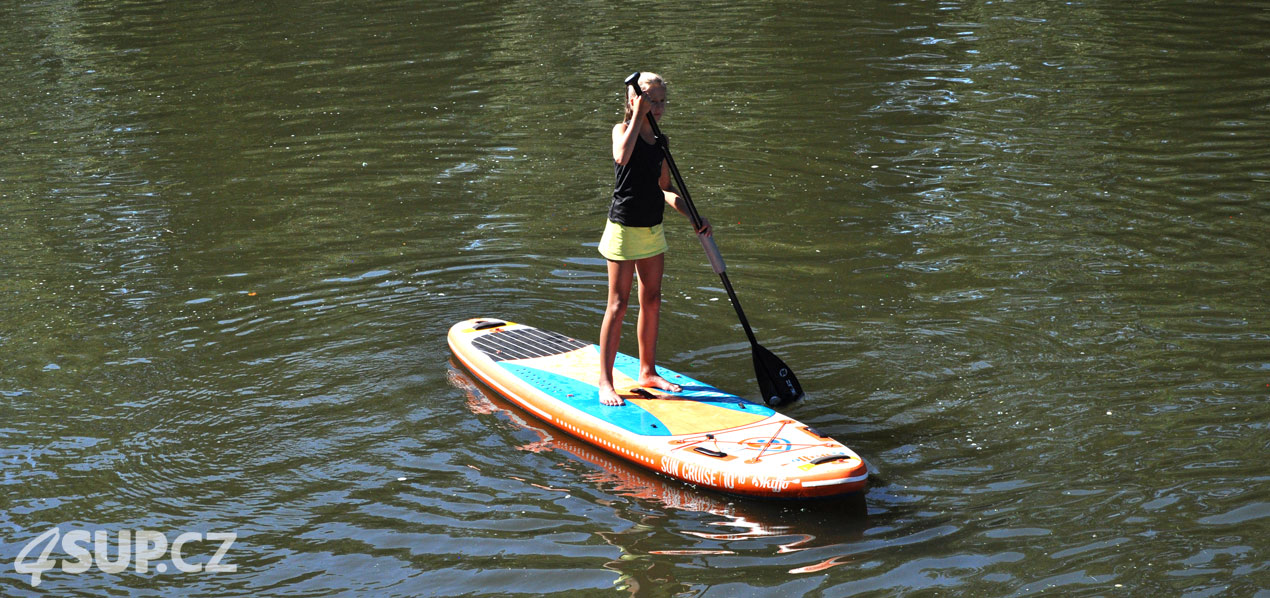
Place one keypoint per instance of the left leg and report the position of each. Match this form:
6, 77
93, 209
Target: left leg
650, 272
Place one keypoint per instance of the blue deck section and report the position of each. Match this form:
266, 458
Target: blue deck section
693, 389
586, 398
631, 417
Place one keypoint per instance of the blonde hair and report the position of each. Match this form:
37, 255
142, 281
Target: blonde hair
646, 81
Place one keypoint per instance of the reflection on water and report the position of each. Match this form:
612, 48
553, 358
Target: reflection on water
796, 526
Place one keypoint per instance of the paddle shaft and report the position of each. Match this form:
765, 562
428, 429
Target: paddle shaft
707, 243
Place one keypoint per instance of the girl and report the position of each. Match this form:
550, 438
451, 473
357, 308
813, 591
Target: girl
633, 239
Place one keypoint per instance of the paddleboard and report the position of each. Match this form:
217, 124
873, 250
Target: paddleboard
701, 435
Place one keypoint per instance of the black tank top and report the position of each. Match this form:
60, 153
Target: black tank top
637, 196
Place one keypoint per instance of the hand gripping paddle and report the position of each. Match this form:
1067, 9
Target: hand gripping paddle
775, 380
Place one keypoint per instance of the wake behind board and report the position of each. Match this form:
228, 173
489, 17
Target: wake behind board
702, 435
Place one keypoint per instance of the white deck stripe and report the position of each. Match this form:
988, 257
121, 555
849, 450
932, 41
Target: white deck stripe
859, 478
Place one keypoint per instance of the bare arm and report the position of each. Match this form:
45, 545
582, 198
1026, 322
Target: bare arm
677, 202
624, 134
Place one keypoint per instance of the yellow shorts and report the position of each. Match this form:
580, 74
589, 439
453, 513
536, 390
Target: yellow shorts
624, 243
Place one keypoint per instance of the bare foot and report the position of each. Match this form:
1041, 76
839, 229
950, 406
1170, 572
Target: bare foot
660, 383
609, 397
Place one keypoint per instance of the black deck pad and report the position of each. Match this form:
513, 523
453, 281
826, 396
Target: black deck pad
525, 343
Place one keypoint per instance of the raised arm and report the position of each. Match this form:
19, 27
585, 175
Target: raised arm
624, 134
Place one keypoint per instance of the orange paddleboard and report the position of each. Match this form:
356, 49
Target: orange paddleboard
701, 435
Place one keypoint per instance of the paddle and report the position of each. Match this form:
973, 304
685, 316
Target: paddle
776, 381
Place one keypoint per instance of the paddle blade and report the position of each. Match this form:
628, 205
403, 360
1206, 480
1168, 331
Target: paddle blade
776, 381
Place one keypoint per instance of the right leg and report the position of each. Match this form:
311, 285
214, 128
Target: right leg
621, 275
650, 272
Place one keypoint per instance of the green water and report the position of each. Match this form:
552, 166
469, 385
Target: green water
1015, 251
